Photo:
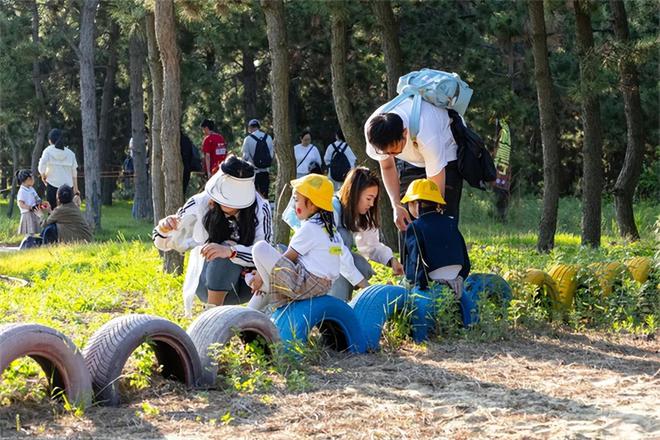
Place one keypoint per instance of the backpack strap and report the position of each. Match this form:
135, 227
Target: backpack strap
305, 157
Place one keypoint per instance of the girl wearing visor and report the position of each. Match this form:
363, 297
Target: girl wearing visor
219, 227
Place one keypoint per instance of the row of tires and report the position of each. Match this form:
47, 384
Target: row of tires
561, 281
94, 374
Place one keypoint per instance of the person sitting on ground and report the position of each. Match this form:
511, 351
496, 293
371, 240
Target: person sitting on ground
66, 224
29, 203
258, 150
219, 227
358, 222
214, 148
435, 247
312, 261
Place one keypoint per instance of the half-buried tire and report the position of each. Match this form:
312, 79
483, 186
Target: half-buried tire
374, 306
479, 286
219, 324
59, 358
423, 312
110, 347
335, 320
640, 268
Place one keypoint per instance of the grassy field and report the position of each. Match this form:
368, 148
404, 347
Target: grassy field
76, 289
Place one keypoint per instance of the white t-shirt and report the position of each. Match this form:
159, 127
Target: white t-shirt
313, 156
436, 145
318, 252
29, 196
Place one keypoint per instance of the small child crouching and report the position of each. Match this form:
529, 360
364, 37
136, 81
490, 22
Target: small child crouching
435, 246
311, 263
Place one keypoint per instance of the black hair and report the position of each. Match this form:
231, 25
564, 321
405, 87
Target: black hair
384, 130
217, 224
208, 123
237, 167
64, 194
22, 175
328, 221
55, 137
305, 132
340, 135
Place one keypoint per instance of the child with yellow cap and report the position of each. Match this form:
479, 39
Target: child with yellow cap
435, 246
311, 263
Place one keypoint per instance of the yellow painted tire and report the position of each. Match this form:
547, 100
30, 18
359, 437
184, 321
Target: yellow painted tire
566, 278
545, 283
639, 268
607, 274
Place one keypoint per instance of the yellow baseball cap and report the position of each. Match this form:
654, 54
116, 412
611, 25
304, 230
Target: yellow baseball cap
317, 188
423, 189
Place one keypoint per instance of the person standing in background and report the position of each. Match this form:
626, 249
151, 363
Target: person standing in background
213, 147
58, 166
258, 150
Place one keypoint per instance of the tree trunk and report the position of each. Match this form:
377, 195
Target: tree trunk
15, 163
141, 200
156, 72
592, 149
626, 183
42, 119
172, 166
549, 128
390, 43
88, 114
105, 121
279, 81
394, 68
249, 77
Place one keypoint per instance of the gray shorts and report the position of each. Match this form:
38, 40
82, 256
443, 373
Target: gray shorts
224, 276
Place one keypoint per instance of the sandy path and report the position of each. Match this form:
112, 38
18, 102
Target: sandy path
568, 386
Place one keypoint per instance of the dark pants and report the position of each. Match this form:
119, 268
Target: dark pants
186, 180
49, 234
51, 195
453, 191
262, 183
224, 276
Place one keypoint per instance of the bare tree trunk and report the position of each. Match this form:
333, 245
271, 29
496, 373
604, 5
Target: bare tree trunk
42, 119
165, 29
105, 146
141, 200
249, 77
390, 43
592, 149
279, 80
156, 72
394, 68
626, 183
88, 113
549, 128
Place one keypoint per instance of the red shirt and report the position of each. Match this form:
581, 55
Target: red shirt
214, 146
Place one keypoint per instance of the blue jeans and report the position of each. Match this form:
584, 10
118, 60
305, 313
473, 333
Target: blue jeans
224, 276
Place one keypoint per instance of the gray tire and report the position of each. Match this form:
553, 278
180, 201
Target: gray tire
219, 324
110, 347
59, 358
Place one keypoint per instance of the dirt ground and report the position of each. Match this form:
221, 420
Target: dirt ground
560, 385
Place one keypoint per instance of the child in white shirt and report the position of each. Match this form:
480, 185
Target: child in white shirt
311, 263
29, 203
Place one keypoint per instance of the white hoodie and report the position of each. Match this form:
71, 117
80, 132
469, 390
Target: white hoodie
59, 166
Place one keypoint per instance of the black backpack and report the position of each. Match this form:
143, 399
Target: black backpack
262, 157
339, 164
475, 163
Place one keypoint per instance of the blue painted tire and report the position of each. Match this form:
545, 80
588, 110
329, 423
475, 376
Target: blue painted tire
374, 306
337, 322
422, 316
476, 286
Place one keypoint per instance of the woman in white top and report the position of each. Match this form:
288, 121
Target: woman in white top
332, 153
219, 227
358, 222
57, 167
308, 158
